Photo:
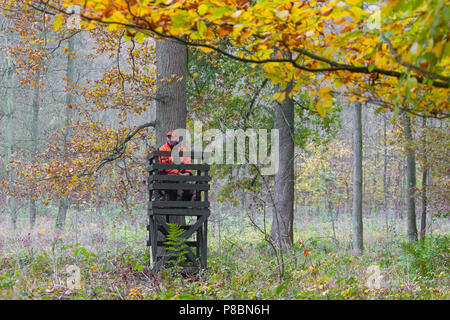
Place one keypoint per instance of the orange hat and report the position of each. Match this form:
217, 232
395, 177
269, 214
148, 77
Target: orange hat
170, 133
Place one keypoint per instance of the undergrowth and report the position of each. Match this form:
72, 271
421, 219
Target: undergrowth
115, 264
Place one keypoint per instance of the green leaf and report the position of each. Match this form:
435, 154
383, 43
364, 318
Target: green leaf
180, 19
185, 296
281, 287
139, 37
358, 13
219, 12
201, 27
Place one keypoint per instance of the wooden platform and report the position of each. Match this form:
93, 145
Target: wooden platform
160, 209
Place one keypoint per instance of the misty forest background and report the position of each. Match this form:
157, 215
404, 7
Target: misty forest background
73, 172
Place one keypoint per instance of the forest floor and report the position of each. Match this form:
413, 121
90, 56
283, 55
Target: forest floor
113, 260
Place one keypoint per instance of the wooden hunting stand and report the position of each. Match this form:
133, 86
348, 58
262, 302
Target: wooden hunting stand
160, 209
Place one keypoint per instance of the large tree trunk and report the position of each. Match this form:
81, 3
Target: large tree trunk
171, 95
411, 227
283, 215
357, 180
171, 111
64, 202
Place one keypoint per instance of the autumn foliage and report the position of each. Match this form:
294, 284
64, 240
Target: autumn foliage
69, 162
395, 54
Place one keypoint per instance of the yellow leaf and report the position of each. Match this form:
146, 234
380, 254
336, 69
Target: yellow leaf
438, 48
353, 2
324, 92
206, 50
282, 97
358, 13
321, 109
202, 9
113, 27
276, 96
139, 37
58, 22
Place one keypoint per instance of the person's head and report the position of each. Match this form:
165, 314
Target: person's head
172, 138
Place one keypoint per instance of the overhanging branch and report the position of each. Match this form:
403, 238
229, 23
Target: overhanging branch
119, 150
334, 65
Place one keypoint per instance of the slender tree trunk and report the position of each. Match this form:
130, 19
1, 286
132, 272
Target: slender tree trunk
75, 222
332, 219
99, 214
10, 142
357, 180
430, 187
64, 202
399, 182
411, 227
219, 229
423, 218
347, 200
386, 217
34, 142
62, 213
283, 217
373, 206
33, 211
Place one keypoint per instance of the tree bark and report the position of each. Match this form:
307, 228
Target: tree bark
170, 111
332, 219
411, 227
34, 143
64, 202
283, 216
347, 200
385, 178
10, 141
171, 95
357, 180
423, 218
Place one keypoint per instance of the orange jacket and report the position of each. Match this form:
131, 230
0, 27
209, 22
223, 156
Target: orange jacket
164, 159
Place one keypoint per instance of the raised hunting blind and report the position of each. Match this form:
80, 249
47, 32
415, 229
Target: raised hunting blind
164, 203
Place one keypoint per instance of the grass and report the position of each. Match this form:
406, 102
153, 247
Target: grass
113, 261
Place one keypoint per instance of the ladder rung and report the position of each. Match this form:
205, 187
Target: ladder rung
179, 204
179, 212
178, 186
173, 177
185, 166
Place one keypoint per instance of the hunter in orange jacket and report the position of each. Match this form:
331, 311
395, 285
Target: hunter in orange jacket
172, 141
